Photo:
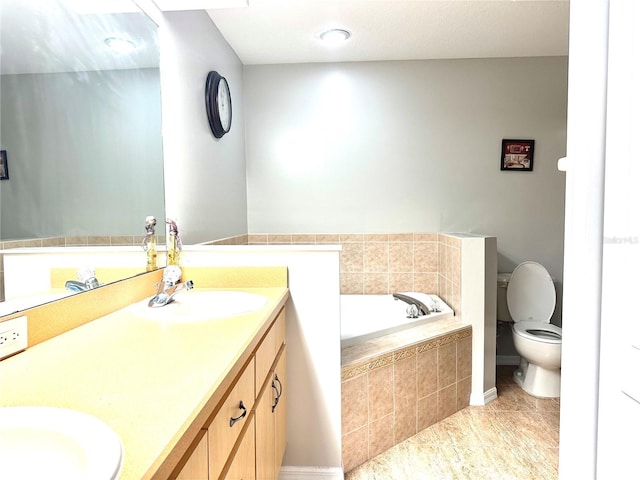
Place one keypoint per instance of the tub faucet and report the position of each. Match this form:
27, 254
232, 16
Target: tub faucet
421, 307
167, 290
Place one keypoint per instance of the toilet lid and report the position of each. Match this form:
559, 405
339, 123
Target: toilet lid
531, 294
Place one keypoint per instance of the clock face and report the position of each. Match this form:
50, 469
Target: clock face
218, 103
224, 104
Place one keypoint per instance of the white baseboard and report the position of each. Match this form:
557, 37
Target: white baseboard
311, 473
480, 400
507, 360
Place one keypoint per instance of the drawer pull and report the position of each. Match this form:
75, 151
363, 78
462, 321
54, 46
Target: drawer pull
278, 392
233, 420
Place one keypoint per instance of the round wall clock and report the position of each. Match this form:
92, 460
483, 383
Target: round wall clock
218, 101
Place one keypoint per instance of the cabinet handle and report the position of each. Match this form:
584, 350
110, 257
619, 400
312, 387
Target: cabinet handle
278, 393
233, 420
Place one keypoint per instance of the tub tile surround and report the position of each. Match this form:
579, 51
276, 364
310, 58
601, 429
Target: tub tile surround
391, 397
515, 437
383, 263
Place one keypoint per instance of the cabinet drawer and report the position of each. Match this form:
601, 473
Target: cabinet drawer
266, 353
230, 420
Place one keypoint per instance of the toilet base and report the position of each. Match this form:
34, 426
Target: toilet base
538, 381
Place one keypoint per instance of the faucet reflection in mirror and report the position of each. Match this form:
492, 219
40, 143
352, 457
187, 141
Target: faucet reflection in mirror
149, 243
86, 280
174, 244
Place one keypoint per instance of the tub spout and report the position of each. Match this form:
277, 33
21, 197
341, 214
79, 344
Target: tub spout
421, 307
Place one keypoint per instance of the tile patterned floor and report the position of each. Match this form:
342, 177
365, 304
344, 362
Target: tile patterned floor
513, 438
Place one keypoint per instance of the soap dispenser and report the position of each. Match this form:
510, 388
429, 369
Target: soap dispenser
149, 243
175, 244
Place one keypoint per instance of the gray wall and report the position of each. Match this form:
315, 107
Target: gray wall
84, 152
205, 179
410, 146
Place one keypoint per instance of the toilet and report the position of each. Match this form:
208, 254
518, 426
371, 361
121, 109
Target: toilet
530, 303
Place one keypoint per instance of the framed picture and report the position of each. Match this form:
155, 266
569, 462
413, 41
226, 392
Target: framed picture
4, 166
517, 155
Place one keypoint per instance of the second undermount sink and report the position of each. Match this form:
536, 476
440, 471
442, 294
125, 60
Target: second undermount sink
197, 306
48, 442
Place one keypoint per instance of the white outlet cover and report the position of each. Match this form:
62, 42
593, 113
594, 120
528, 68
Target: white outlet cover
13, 336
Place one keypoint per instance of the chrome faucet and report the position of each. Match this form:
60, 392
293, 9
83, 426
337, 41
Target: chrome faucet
86, 280
167, 290
421, 308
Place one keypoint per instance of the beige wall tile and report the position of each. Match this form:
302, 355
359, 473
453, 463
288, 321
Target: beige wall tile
425, 256
401, 237
447, 401
425, 237
401, 282
406, 424
381, 435
328, 238
376, 283
355, 448
352, 258
427, 372
446, 365
258, 239
376, 237
352, 283
351, 238
400, 257
463, 393
427, 411
463, 358
376, 257
354, 403
306, 238
380, 392
426, 283
404, 381
280, 239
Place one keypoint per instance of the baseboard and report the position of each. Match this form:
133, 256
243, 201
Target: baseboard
311, 473
487, 397
507, 360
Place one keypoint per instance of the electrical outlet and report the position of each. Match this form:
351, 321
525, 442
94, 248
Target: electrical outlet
13, 336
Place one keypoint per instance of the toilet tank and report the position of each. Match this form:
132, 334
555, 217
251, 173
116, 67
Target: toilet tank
502, 311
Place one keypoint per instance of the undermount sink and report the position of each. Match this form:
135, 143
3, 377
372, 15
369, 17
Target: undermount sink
197, 306
48, 442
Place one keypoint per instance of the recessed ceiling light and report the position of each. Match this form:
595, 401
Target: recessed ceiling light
120, 45
334, 36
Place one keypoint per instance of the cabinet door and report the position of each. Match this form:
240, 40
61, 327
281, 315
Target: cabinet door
280, 411
265, 435
243, 465
197, 466
230, 420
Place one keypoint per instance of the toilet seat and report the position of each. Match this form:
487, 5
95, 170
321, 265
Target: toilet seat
531, 295
538, 331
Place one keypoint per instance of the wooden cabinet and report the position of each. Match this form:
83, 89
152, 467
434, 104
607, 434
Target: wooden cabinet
243, 464
247, 436
197, 466
270, 421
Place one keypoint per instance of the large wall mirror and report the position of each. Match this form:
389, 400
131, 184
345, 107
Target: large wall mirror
80, 120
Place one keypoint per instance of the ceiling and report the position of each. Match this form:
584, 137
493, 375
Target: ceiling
287, 31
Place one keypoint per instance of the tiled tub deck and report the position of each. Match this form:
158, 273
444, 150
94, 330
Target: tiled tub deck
397, 385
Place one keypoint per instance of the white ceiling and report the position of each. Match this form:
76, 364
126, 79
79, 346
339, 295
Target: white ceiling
286, 31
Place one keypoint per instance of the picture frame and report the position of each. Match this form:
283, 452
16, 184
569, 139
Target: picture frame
4, 166
517, 155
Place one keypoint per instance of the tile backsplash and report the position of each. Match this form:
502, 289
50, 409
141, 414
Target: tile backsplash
383, 263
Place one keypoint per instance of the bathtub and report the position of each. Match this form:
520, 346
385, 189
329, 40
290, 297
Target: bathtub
364, 317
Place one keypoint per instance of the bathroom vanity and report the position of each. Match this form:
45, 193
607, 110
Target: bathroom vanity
171, 390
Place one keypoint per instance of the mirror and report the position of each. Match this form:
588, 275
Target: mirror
80, 121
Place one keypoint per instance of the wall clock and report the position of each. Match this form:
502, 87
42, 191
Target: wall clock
218, 101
